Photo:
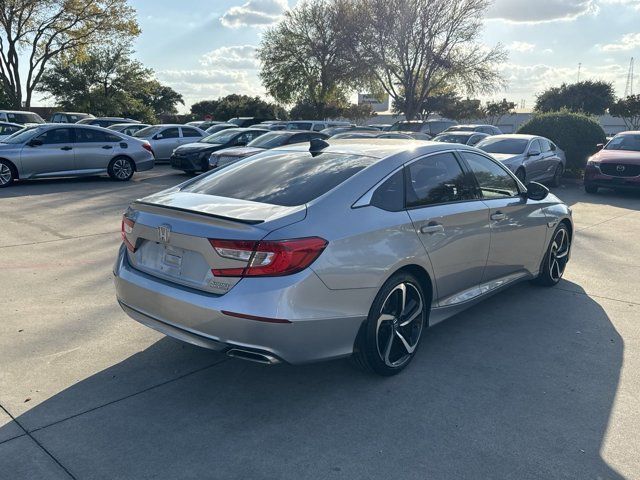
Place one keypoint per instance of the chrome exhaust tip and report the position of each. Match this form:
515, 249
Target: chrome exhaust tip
252, 356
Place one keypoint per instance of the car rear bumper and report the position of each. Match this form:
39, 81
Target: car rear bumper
321, 323
143, 165
593, 176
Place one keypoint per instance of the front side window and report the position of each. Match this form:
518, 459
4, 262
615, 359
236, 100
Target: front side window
494, 181
287, 179
55, 136
436, 179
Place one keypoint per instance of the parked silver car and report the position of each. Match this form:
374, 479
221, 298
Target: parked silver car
464, 137
306, 253
128, 128
530, 157
164, 139
62, 150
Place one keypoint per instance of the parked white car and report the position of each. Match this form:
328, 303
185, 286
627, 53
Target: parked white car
164, 139
7, 129
20, 117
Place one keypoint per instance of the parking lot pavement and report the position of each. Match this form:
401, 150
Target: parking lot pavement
533, 383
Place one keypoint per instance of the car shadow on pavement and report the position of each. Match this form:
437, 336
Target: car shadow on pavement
571, 194
520, 386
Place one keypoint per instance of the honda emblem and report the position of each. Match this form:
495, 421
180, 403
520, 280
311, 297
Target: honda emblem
164, 231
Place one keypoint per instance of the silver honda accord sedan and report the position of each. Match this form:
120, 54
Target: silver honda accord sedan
340, 248
59, 150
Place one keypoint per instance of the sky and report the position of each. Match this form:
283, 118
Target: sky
206, 48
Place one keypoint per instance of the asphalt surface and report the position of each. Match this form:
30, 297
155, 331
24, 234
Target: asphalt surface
533, 383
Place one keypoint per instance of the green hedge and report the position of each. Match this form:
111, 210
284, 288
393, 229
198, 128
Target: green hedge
575, 133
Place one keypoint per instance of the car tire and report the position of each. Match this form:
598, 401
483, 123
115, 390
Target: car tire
557, 176
590, 188
389, 338
121, 169
556, 258
521, 175
8, 174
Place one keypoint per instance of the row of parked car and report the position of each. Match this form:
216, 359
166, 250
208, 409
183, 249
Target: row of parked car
88, 145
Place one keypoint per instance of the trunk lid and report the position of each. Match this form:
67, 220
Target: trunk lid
171, 231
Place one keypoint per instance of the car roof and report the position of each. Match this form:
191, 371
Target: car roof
463, 132
516, 135
629, 132
377, 147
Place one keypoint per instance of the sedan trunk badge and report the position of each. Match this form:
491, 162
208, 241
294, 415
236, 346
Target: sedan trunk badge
164, 232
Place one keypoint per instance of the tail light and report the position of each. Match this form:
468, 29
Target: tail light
268, 258
127, 228
147, 147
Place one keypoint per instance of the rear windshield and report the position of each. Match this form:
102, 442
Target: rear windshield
24, 117
444, 137
269, 140
287, 179
512, 146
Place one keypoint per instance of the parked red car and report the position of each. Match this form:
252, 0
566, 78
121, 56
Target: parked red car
617, 165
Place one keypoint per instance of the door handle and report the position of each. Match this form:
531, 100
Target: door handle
431, 228
498, 216
65, 148
107, 147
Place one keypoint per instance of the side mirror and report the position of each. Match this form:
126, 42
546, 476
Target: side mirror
600, 146
534, 152
34, 142
537, 191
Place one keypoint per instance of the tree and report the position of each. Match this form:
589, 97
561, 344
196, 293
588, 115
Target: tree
38, 31
494, 111
235, 105
107, 81
306, 57
417, 47
591, 97
463, 109
629, 110
357, 113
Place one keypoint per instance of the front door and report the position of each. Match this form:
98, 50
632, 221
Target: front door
50, 153
451, 222
165, 142
518, 225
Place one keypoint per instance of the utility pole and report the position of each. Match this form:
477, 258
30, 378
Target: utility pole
579, 68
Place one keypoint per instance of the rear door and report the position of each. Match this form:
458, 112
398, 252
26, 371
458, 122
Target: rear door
54, 154
451, 222
94, 148
189, 135
518, 225
550, 159
534, 164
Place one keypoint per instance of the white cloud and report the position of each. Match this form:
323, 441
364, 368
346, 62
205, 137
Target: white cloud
254, 13
629, 3
521, 46
626, 43
539, 11
235, 57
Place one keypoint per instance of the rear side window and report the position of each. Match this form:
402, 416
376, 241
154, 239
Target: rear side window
546, 146
89, 135
190, 132
390, 195
437, 179
286, 179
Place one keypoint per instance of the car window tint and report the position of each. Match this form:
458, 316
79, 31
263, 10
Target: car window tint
436, 179
190, 132
288, 179
170, 133
390, 195
89, 135
494, 181
544, 143
55, 136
